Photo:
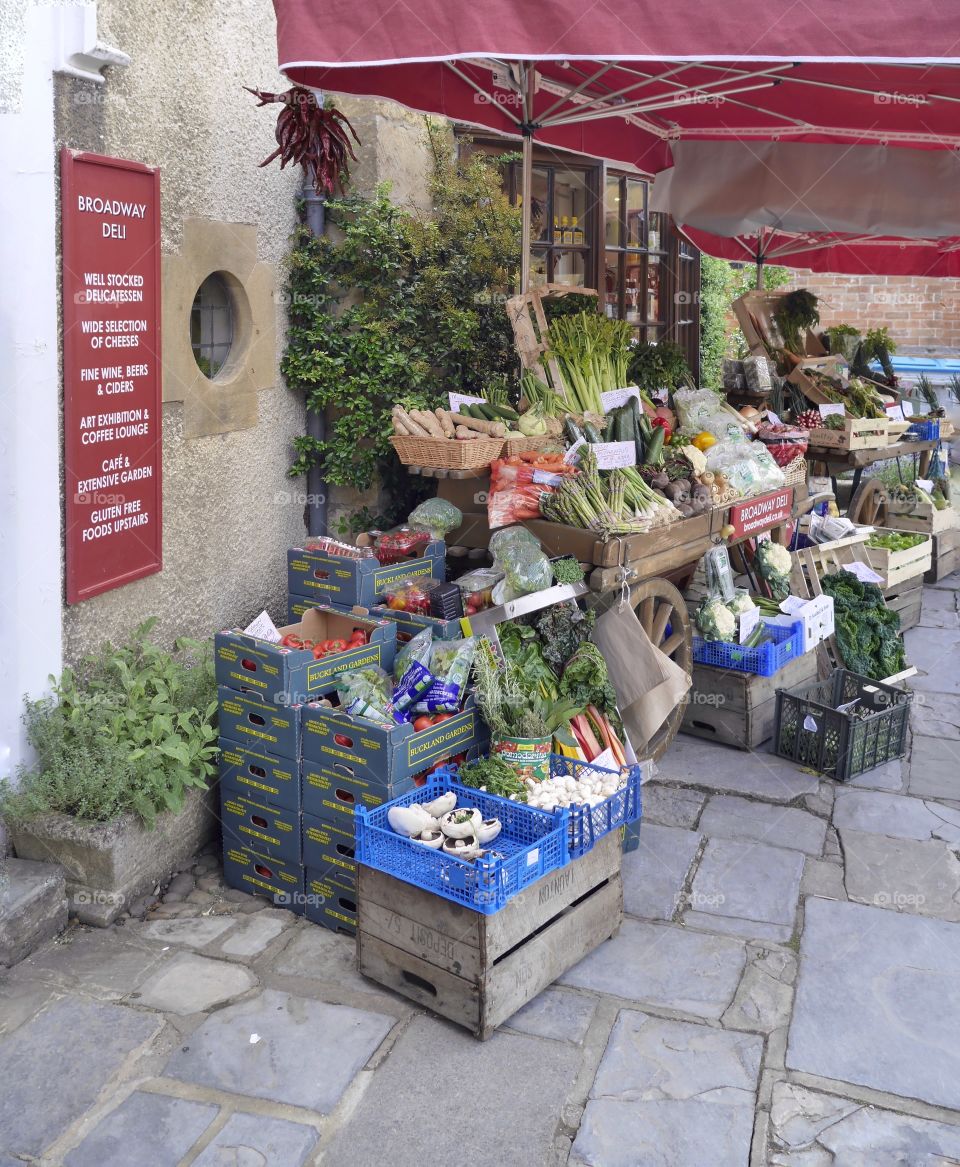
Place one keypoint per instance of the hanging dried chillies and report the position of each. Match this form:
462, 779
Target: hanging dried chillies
311, 135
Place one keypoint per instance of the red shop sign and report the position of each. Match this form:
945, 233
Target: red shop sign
760, 513
110, 216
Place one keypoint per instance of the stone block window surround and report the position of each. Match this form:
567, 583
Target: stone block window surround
221, 259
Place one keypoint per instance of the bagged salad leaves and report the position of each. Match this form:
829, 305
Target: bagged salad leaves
450, 663
437, 516
411, 671
366, 693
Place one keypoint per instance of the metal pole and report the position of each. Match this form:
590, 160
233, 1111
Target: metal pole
316, 509
526, 184
759, 272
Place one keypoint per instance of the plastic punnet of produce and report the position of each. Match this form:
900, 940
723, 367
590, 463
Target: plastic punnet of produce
526, 570
437, 516
410, 595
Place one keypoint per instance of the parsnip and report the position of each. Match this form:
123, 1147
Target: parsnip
445, 423
413, 428
492, 429
429, 422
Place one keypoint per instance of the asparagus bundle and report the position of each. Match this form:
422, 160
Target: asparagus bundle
615, 502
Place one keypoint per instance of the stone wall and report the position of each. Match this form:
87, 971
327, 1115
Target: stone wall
918, 312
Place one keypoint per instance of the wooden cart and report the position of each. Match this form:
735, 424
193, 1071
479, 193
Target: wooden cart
652, 567
839, 461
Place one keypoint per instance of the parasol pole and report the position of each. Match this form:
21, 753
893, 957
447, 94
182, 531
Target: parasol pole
527, 128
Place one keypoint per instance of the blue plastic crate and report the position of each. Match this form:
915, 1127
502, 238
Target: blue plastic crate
764, 660
926, 431
531, 844
590, 823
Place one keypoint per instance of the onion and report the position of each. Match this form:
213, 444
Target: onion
751, 414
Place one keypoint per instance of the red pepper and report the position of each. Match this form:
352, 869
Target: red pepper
319, 651
336, 645
662, 422
291, 641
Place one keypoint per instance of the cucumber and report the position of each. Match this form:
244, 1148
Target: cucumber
486, 411
504, 412
611, 428
476, 411
571, 431
591, 433
655, 446
625, 426
641, 419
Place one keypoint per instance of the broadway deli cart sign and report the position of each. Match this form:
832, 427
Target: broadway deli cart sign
110, 214
760, 513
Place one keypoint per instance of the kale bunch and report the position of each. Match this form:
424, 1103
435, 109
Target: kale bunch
586, 681
868, 633
563, 628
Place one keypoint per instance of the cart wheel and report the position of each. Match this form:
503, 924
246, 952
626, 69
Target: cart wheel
663, 613
869, 505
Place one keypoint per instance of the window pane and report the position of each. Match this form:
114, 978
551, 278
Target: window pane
539, 205
571, 198
636, 207
654, 271
570, 268
655, 237
633, 289
611, 285
538, 268
211, 325
611, 213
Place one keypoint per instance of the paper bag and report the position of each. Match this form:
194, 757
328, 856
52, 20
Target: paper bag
649, 685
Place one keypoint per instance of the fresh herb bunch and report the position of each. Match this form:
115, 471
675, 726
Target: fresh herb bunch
868, 633
879, 345
845, 340
796, 312
659, 366
496, 776
585, 680
131, 729
894, 541
567, 570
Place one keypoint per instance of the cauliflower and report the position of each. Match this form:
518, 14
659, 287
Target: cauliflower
715, 620
741, 602
774, 564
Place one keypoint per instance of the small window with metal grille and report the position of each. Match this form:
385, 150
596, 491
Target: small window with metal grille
211, 325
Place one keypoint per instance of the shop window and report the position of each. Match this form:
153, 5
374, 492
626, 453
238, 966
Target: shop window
211, 325
562, 217
633, 269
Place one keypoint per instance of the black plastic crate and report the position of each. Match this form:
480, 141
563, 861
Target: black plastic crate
811, 730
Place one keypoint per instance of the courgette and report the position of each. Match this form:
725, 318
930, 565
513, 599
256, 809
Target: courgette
571, 431
476, 410
611, 428
591, 433
488, 412
504, 412
655, 446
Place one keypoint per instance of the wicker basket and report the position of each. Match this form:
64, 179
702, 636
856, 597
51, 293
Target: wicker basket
447, 453
519, 445
795, 472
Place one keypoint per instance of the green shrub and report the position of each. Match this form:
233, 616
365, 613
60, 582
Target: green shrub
131, 729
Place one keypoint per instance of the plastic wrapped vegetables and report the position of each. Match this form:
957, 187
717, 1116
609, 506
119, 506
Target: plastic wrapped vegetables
774, 564
436, 516
715, 621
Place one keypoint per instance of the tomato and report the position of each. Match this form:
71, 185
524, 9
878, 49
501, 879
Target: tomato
441, 717
422, 723
397, 603
307, 644
319, 652
337, 645
291, 641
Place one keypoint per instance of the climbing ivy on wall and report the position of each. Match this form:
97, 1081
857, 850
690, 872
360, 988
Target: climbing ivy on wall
394, 306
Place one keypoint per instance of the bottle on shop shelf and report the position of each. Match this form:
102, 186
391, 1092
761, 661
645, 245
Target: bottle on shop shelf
566, 235
577, 232
556, 229
653, 239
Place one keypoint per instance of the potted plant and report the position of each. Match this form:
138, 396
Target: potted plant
126, 745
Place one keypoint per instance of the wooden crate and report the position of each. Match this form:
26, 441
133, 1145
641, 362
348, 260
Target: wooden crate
946, 554
738, 709
529, 322
920, 516
478, 970
754, 312
859, 433
897, 567
905, 599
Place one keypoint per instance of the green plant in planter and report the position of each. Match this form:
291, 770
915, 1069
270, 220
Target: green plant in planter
131, 729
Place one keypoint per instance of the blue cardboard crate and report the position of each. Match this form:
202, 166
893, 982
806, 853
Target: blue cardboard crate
273, 831
290, 675
260, 774
346, 581
330, 842
330, 900
259, 875
764, 660
250, 720
330, 794
362, 750
410, 623
531, 844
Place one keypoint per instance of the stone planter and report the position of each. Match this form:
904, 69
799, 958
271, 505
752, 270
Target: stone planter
108, 865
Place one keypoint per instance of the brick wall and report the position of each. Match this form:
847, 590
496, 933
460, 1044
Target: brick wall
918, 312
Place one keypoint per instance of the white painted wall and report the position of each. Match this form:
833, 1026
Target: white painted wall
30, 555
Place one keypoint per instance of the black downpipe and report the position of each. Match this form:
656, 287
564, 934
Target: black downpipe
315, 208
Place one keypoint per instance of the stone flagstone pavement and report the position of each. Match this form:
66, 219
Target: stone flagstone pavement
784, 991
